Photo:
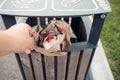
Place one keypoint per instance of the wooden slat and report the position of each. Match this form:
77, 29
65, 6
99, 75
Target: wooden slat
61, 67
26, 66
74, 57
37, 65
84, 63
49, 64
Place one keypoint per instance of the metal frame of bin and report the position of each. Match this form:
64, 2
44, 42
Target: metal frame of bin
98, 21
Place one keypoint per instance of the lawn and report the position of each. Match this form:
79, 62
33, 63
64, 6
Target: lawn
111, 38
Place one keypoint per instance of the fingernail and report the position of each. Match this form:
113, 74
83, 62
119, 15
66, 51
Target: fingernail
27, 51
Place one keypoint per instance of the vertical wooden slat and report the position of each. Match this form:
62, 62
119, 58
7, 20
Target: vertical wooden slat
84, 63
74, 57
26, 66
49, 64
61, 67
37, 65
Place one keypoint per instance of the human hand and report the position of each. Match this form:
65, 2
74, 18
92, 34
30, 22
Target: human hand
22, 41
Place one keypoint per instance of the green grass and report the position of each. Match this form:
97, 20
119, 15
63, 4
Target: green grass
111, 38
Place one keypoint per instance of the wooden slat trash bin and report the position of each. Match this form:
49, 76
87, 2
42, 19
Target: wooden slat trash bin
74, 65
61, 67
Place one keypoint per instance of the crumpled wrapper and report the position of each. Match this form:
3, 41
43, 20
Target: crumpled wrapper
54, 40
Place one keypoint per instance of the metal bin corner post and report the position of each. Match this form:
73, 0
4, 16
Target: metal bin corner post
97, 25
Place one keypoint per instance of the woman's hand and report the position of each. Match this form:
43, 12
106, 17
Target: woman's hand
19, 38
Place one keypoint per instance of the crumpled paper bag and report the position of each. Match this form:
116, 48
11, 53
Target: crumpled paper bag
54, 40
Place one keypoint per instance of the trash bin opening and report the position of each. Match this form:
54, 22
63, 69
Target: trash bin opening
76, 24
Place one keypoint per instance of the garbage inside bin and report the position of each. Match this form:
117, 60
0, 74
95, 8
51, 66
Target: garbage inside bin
54, 40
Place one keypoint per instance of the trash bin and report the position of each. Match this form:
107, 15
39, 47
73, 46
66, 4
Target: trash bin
74, 65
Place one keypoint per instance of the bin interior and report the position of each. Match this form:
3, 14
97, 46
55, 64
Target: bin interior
76, 23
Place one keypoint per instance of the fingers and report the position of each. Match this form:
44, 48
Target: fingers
28, 27
30, 42
30, 46
27, 51
24, 26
